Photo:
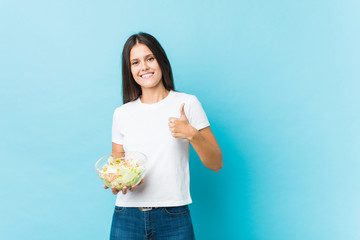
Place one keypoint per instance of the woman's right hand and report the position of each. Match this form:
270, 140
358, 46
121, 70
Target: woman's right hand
124, 190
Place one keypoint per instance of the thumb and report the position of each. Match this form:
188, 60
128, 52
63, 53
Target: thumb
182, 111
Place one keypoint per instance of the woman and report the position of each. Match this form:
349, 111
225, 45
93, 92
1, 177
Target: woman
161, 123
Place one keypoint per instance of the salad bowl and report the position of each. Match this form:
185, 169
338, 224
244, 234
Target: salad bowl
121, 169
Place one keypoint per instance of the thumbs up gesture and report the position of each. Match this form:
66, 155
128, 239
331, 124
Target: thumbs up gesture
180, 127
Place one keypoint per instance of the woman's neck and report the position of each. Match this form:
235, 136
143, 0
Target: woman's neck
150, 95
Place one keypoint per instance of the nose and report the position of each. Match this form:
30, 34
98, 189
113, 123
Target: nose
144, 66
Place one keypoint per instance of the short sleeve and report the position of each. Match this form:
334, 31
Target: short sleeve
117, 136
196, 114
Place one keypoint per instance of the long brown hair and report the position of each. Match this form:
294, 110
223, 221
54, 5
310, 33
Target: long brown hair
130, 89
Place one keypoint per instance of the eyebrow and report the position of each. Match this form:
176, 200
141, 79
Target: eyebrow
145, 57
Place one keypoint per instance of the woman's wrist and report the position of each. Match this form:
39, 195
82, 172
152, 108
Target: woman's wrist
192, 133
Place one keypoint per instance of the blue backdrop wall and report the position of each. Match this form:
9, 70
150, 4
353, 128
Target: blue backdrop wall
279, 81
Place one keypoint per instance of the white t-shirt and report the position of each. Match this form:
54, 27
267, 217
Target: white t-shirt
144, 128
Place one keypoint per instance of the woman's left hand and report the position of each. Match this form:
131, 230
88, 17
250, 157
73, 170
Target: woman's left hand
180, 127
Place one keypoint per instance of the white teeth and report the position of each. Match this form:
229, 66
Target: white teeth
146, 75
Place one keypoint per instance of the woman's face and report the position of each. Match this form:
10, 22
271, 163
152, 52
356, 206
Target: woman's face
144, 67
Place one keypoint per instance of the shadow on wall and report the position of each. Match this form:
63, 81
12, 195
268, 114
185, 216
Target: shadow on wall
222, 198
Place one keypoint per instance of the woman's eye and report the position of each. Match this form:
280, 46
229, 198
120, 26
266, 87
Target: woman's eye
150, 59
134, 63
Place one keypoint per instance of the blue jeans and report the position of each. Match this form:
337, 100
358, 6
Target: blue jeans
170, 223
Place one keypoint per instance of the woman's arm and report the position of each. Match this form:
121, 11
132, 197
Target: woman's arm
117, 148
203, 141
206, 146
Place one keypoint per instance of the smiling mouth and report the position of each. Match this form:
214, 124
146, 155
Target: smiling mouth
147, 75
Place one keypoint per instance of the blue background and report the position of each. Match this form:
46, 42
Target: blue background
279, 81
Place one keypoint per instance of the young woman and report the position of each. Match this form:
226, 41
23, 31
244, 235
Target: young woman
161, 123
